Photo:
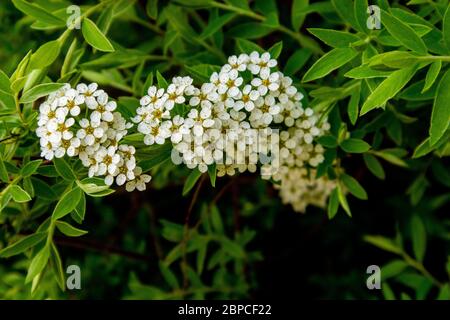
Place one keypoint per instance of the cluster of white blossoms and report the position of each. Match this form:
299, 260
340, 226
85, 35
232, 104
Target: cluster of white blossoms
248, 116
301, 188
83, 122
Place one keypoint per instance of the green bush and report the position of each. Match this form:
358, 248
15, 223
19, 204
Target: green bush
364, 127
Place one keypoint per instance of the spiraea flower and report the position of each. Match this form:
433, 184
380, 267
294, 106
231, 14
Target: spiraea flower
95, 138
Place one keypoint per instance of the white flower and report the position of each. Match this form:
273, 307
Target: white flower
157, 134
199, 120
246, 99
236, 63
204, 96
174, 96
90, 131
267, 82
102, 109
139, 182
72, 101
229, 83
107, 159
261, 64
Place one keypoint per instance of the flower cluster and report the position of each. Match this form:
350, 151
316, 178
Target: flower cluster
230, 121
248, 116
301, 188
83, 122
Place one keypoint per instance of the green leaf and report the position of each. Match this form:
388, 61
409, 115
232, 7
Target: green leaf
353, 145
388, 88
297, 13
69, 230
201, 256
39, 91
23, 244
419, 237
383, 243
95, 37
361, 14
345, 9
67, 203
334, 38
3, 172
296, 61
80, 209
440, 116
212, 172
393, 269
5, 84
162, 83
353, 105
275, 50
38, 263
64, 170
30, 168
403, 33
57, 266
374, 165
333, 204
45, 55
169, 276
216, 220
232, 248
446, 28
216, 24
191, 180
329, 62
343, 200
250, 30
432, 75
245, 46
328, 141
354, 187
37, 12
18, 194
365, 71
152, 9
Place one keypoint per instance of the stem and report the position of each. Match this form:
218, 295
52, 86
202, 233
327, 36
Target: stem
421, 268
301, 39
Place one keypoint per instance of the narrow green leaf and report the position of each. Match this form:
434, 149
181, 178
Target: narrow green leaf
57, 266
388, 88
38, 263
353, 145
334, 38
329, 62
191, 180
39, 91
64, 170
446, 28
374, 165
23, 244
30, 168
419, 237
67, 203
95, 37
333, 204
403, 33
353, 105
297, 13
343, 200
432, 75
18, 194
45, 55
354, 187
440, 116
37, 12
296, 61
275, 50
383, 243
69, 230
